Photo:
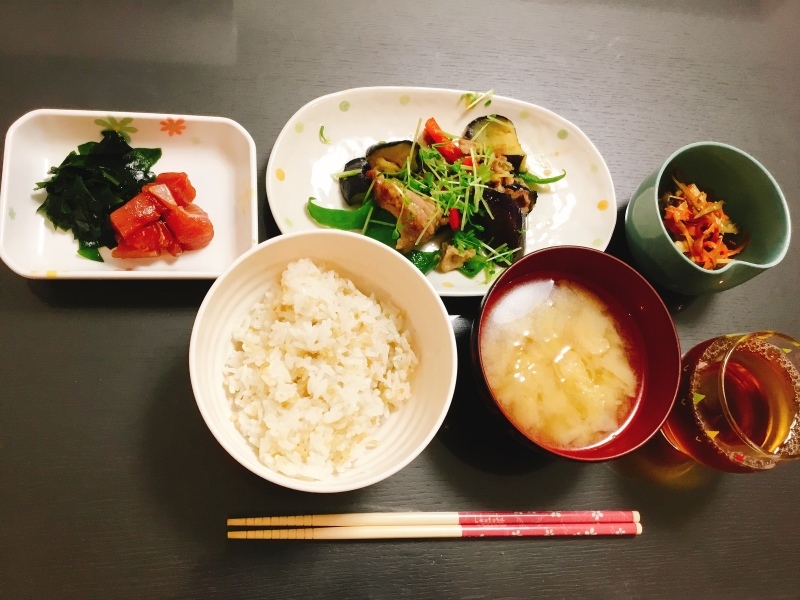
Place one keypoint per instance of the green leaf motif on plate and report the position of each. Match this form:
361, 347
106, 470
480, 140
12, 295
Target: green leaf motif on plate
123, 126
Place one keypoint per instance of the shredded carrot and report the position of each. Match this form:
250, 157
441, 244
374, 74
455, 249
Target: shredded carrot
698, 226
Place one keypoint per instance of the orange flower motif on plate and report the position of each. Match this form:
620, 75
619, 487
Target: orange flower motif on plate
172, 126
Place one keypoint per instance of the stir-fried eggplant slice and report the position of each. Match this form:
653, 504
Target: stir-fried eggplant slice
391, 157
507, 224
355, 187
499, 133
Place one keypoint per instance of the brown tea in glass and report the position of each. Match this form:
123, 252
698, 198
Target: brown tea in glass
738, 404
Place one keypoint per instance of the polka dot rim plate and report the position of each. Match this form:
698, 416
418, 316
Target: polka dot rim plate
218, 155
579, 210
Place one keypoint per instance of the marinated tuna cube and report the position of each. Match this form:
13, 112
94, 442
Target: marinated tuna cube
180, 187
141, 210
190, 226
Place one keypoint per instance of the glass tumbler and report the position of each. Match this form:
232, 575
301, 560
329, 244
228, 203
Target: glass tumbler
738, 404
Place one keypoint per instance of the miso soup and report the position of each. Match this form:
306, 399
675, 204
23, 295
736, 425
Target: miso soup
560, 363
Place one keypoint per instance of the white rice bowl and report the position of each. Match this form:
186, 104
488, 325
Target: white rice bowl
270, 403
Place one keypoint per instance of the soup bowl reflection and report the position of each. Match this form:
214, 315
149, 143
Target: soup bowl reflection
638, 311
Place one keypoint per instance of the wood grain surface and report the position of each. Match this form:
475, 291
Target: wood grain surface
111, 486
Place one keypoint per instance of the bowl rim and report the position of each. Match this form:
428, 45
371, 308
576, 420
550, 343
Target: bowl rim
731, 265
574, 453
308, 485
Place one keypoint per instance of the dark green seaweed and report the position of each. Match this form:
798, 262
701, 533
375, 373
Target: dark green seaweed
93, 182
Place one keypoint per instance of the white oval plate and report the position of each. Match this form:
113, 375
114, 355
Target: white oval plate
579, 210
218, 155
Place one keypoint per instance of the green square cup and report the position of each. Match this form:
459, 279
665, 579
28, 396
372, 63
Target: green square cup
753, 200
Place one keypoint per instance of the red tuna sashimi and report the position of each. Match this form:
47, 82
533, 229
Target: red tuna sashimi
180, 186
163, 238
161, 191
147, 242
190, 225
140, 210
125, 250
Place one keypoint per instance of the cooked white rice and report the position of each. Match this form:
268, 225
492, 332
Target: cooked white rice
317, 367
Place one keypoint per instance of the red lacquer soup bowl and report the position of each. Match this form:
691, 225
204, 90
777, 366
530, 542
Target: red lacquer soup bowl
646, 338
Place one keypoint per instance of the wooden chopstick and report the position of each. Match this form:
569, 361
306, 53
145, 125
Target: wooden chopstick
363, 532
441, 518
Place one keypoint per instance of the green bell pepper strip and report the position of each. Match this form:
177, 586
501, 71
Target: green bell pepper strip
473, 266
533, 179
424, 261
340, 218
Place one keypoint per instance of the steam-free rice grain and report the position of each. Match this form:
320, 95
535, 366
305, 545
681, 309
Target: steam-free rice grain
318, 366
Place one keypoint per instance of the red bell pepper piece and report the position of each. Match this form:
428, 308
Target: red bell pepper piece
454, 219
444, 144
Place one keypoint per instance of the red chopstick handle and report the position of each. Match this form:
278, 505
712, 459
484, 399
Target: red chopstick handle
546, 517
570, 529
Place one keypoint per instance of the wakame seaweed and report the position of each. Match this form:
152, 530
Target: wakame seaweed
93, 182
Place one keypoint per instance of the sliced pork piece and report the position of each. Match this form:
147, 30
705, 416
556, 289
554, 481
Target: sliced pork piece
418, 218
453, 258
524, 197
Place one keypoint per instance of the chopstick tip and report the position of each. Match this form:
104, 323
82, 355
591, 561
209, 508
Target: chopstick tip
236, 522
237, 535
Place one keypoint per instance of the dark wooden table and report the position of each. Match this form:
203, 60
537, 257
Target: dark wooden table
111, 486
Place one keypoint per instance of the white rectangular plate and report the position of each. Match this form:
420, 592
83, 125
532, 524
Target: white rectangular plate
218, 155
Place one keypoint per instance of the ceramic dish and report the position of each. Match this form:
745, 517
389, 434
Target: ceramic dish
752, 199
218, 155
374, 269
580, 210
640, 315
